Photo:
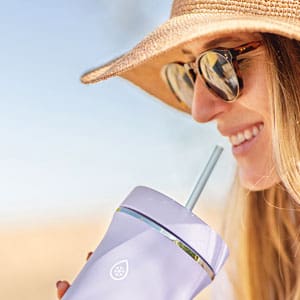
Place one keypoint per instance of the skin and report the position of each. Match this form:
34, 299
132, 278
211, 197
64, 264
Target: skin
62, 286
253, 107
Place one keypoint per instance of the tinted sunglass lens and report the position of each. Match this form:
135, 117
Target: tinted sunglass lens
180, 82
219, 75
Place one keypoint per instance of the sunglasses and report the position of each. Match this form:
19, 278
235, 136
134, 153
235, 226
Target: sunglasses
218, 68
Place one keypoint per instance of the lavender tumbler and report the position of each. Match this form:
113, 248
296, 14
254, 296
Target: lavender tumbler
154, 248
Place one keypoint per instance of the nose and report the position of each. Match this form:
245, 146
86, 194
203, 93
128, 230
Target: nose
206, 106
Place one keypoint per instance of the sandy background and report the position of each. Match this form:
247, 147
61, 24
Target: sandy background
32, 259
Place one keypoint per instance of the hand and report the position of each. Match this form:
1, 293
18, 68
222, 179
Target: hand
62, 286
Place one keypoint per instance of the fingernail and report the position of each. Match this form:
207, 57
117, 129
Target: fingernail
89, 255
58, 283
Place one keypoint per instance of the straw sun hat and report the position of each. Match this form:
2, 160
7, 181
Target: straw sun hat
191, 20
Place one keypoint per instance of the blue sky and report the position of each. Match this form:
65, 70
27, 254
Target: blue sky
69, 150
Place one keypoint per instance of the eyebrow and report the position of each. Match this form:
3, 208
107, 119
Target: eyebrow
214, 43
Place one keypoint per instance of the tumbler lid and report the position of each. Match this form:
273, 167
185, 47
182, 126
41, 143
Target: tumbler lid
181, 222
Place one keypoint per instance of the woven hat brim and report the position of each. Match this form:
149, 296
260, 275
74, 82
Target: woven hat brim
142, 65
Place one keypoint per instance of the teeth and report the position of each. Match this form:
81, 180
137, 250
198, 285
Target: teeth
234, 140
255, 131
247, 134
241, 138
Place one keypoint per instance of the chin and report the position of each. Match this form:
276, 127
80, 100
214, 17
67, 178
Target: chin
258, 182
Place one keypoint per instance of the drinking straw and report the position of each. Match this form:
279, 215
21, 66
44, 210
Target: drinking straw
201, 182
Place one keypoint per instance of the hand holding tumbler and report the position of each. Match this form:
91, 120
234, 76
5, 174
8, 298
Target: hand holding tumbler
154, 248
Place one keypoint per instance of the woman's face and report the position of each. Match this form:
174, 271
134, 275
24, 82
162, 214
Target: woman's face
245, 122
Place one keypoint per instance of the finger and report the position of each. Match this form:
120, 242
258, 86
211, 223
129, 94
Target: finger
89, 255
62, 287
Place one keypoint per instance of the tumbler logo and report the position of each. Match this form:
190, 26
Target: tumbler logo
119, 270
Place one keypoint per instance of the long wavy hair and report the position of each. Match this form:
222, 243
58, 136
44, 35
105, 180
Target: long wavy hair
267, 253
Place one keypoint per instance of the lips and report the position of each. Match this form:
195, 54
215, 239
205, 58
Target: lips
246, 134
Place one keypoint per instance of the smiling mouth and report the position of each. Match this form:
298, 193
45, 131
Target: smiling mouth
245, 135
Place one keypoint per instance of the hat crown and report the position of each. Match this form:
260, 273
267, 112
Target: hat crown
275, 8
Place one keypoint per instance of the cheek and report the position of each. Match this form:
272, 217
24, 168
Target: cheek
257, 170
255, 91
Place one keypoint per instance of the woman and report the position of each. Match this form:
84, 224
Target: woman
237, 63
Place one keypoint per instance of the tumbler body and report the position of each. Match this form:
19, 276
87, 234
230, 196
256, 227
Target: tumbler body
148, 253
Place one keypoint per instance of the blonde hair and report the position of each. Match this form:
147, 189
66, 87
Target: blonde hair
267, 253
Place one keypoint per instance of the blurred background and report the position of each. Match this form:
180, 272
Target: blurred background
71, 153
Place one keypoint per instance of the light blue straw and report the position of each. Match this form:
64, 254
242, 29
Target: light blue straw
204, 177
